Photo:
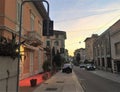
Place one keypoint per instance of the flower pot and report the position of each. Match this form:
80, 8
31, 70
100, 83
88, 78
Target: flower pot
45, 76
33, 82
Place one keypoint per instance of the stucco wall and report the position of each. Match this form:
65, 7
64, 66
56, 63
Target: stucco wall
8, 74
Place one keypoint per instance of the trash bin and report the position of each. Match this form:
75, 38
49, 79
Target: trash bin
33, 82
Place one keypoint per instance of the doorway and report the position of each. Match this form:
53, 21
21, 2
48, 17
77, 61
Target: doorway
118, 66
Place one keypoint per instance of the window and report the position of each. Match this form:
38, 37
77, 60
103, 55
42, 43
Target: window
56, 35
47, 43
56, 43
107, 47
61, 50
117, 48
103, 62
62, 43
98, 61
98, 50
40, 28
102, 48
109, 63
32, 18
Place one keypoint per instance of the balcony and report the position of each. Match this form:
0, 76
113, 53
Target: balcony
34, 38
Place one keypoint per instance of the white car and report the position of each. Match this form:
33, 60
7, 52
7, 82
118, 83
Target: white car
90, 67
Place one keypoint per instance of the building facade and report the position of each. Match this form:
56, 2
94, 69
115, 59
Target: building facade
56, 43
33, 14
81, 51
89, 47
107, 48
102, 53
115, 46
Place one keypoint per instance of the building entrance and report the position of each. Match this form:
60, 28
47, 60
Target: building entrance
118, 66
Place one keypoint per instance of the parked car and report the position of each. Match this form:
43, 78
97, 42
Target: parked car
82, 65
67, 68
90, 67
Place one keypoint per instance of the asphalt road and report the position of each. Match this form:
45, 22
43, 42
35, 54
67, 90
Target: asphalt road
94, 83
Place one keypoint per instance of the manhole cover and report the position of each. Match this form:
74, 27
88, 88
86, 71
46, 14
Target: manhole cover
51, 89
59, 81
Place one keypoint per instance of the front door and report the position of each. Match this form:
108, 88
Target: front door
118, 66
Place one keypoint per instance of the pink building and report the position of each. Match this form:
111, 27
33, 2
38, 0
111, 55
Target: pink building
32, 25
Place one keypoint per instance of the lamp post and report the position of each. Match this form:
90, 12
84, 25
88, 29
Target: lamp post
20, 30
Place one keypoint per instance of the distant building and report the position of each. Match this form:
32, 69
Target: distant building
89, 47
57, 43
81, 51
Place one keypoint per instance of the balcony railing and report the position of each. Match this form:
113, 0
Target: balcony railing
34, 38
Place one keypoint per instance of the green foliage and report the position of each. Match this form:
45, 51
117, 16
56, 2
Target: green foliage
78, 58
57, 60
46, 66
8, 47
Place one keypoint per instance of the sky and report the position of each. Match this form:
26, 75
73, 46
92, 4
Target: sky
82, 18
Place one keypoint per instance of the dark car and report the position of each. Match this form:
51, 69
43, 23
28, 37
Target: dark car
67, 68
90, 67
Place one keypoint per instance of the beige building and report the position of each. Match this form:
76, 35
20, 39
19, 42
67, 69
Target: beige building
107, 49
89, 47
56, 44
115, 46
57, 41
102, 52
81, 51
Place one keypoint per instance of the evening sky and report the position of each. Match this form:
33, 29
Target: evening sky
82, 18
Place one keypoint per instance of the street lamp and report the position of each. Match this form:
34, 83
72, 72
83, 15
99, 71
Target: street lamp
20, 29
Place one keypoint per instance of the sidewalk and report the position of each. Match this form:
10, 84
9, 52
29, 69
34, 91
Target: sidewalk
107, 75
60, 82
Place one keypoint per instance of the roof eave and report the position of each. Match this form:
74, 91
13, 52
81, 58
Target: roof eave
41, 9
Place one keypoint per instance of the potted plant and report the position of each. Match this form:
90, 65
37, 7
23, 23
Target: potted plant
33, 82
8, 47
46, 67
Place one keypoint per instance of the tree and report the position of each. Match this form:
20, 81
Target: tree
78, 58
57, 61
46, 66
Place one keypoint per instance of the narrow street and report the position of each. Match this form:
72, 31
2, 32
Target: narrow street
94, 83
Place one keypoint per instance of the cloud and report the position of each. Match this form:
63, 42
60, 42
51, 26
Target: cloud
109, 8
104, 10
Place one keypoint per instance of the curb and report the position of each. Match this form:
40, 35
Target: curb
78, 86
